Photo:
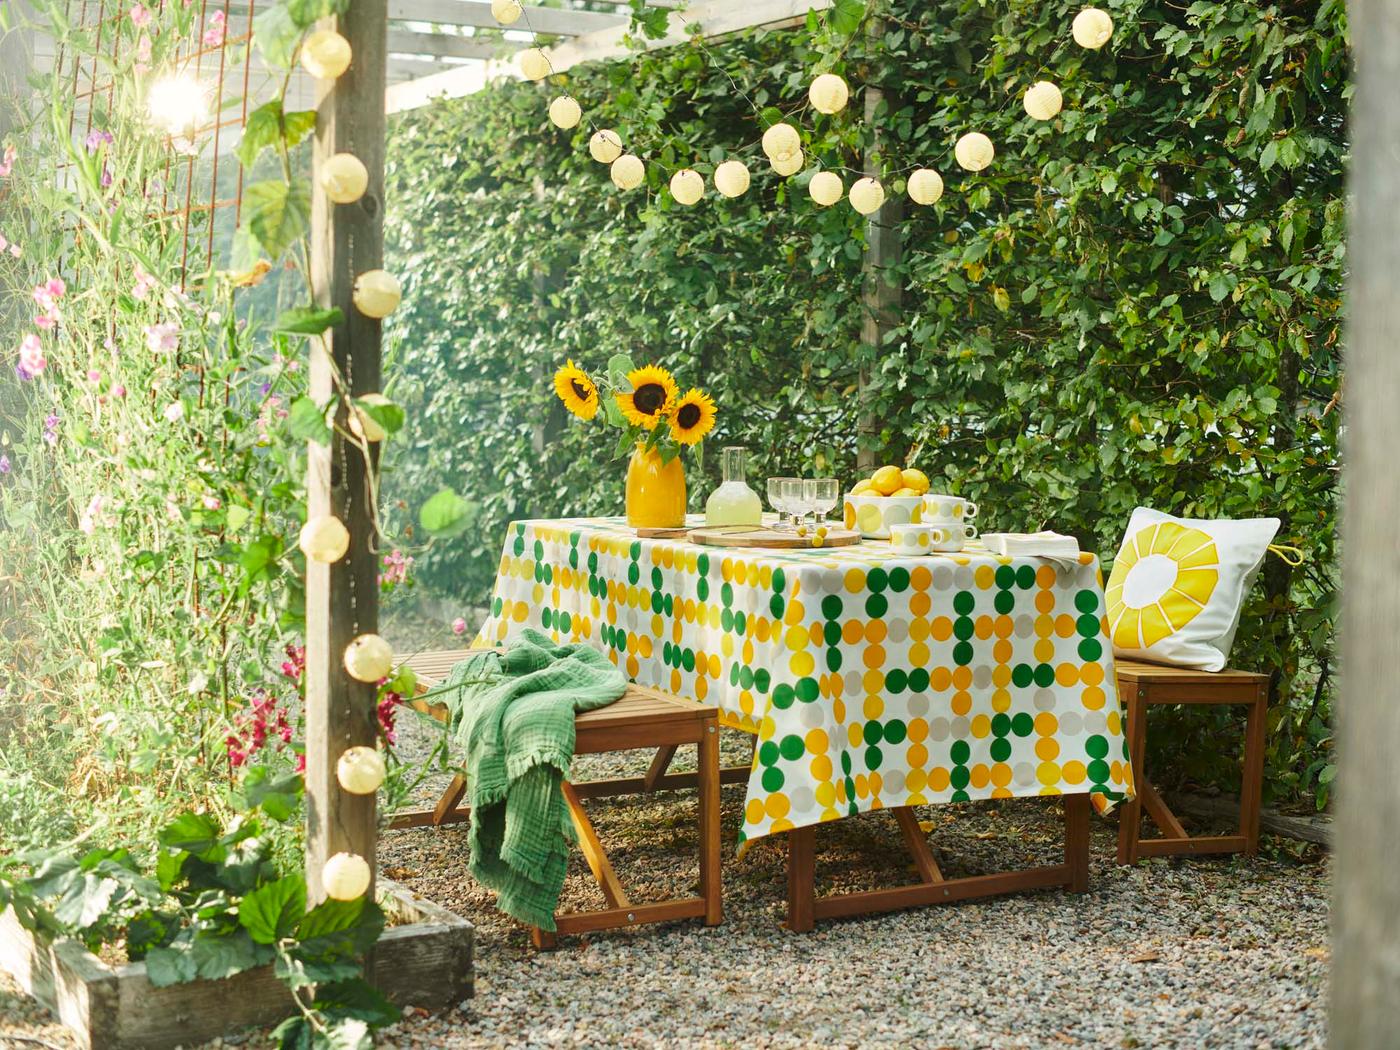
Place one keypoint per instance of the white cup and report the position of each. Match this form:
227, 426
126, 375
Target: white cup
941, 507
950, 537
917, 539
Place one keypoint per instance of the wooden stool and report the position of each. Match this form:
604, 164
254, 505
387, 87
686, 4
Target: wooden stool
1141, 684
641, 718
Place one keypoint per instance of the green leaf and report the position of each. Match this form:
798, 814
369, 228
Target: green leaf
618, 367
172, 965
262, 129
357, 999
307, 422
274, 911
386, 413
219, 955
305, 12
295, 1033
846, 16
446, 514
86, 900
191, 832
278, 213
277, 35
278, 797
298, 124
339, 929
307, 320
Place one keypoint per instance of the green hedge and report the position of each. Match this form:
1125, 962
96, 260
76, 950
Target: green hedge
1138, 303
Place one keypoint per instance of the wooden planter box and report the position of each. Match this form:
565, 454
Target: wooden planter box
427, 962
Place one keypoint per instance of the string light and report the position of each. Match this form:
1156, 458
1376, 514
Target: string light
178, 104
732, 178
564, 112
1043, 100
605, 145
369, 658
925, 186
344, 178
360, 770
781, 141
533, 63
867, 195
826, 188
1092, 28
974, 151
627, 171
345, 876
376, 293
828, 93
790, 165
325, 54
687, 186
324, 539
507, 12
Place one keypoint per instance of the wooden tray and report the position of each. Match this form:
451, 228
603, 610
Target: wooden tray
769, 539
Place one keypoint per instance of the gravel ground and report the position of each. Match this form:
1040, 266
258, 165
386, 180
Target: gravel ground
1200, 953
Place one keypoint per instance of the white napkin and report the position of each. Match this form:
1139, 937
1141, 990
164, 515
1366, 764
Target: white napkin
1052, 546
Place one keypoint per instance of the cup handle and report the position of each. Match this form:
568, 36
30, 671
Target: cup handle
970, 531
938, 535
969, 510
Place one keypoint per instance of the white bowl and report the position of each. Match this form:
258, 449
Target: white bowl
873, 515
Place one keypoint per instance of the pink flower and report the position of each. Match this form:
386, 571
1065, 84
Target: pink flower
214, 35
162, 338
396, 566
143, 60
144, 285
140, 17
97, 139
46, 321
15, 250
48, 294
119, 391
459, 626
8, 162
93, 516
212, 503
31, 357
174, 412
94, 376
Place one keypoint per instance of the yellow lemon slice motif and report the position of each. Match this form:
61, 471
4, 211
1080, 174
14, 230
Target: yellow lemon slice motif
1162, 579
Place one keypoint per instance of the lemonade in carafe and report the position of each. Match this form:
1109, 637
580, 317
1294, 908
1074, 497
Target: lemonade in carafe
733, 503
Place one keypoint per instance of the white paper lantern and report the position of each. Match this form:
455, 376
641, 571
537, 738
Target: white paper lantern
345, 876
344, 178
1043, 100
791, 165
687, 186
732, 178
369, 658
564, 112
376, 293
974, 151
925, 186
1092, 28
325, 54
781, 141
828, 93
826, 188
867, 195
364, 426
507, 12
324, 539
360, 770
605, 146
533, 63
628, 171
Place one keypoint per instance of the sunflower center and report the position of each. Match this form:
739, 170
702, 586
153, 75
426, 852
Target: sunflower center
649, 398
580, 391
689, 415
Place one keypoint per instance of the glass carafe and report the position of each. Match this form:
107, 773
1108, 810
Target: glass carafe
733, 503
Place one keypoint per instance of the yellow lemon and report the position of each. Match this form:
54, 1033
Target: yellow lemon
906, 491
863, 485
915, 479
886, 480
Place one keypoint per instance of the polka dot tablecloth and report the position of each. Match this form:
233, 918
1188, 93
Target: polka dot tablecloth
871, 679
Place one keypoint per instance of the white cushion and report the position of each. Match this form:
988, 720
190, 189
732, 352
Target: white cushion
1178, 584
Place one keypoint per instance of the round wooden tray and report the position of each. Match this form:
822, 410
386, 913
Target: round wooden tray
769, 539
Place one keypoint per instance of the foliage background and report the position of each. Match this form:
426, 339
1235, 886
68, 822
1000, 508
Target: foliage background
1138, 303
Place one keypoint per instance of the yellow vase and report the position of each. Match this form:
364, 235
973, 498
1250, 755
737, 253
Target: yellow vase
655, 491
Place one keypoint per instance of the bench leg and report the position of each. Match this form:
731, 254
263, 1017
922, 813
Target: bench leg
658, 767
1252, 787
711, 877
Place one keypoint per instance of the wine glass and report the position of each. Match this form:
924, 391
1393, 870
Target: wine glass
790, 492
778, 503
820, 495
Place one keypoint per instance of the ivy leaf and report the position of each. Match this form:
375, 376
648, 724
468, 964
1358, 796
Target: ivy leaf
308, 320
307, 421
274, 911
278, 213
446, 514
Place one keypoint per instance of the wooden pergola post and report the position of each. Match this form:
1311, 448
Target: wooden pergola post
1366, 894
342, 599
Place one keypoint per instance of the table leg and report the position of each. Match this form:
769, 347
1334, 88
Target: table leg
711, 877
802, 878
1077, 842
1252, 787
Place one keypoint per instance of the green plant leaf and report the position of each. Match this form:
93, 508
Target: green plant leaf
357, 999
386, 413
446, 514
171, 965
846, 16
263, 128
307, 422
306, 12
277, 35
307, 320
298, 124
278, 213
191, 832
279, 797
219, 955
337, 930
274, 911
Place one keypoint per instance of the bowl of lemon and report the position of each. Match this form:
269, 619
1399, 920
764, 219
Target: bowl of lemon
890, 496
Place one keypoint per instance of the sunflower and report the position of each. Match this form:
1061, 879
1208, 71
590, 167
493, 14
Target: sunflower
693, 417
653, 391
576, 390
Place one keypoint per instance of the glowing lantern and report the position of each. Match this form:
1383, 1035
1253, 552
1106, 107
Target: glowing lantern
1043, 100
867, 195
826, 188
178, 104
974, 151
732, 178
628, 171
565, 113
325, 54
828, 93
781, 141
344, 178
1092, 28
376, 293
369, 658
790, 165
360, 770
605, 146
925, 186
324, 539
507, 12
687, 186
345, 876
533, 63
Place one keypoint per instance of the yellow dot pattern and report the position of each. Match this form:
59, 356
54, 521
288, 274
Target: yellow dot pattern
870, 678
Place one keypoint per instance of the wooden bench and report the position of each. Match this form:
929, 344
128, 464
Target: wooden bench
642, 718
1140, 685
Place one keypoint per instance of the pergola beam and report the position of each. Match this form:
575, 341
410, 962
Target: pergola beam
550, 20
711, 19
440, 45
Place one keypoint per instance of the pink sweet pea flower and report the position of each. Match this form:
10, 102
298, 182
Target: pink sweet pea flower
94, 376
31, 357
174, 412
459, 626
140, 17
93, 516
48, 294
162, 338
8, 162
212, 503
144, 285
214, 35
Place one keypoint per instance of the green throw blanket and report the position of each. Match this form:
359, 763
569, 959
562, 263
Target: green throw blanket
513, 715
